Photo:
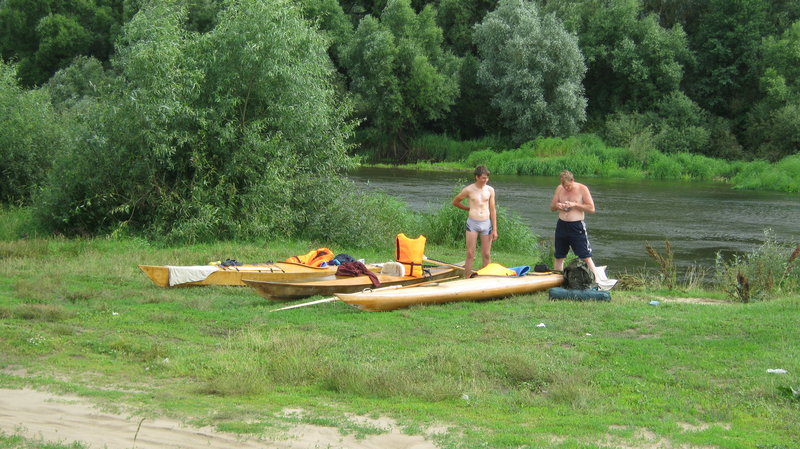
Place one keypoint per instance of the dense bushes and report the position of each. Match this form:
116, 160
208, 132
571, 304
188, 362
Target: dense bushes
204, 136
587, 155
31, 135
439, 148
772, 268
445, 226
761, 175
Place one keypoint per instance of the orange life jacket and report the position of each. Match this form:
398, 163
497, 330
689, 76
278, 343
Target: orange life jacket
314, 258
409, 252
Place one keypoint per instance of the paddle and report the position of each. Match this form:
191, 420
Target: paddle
439, 262
391, 287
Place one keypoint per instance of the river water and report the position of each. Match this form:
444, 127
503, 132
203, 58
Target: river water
699, 219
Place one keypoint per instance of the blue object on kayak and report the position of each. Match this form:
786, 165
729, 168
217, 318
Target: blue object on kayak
521, 270
579, 295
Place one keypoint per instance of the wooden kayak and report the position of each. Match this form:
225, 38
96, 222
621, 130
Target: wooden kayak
337, 284
277, 271
474, 289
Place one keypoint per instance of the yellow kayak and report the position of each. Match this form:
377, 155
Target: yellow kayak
186, 276
338, 284
474, 289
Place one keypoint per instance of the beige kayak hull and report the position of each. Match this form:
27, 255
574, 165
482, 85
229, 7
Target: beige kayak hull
278, 271
475, 289
337, 284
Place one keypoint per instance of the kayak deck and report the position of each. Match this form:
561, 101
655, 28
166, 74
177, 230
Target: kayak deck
277, 271
474, 289
337, 284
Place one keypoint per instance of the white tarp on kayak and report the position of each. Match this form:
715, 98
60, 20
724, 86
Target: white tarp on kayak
193, 273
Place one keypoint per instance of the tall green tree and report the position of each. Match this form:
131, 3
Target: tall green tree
533, 69
633, 62
399, 73
232, 132
727, 41
332, 21
457, 19
45, 35
773, 125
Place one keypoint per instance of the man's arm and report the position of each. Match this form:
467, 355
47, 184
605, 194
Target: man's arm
457, 201
554, 202
588, 202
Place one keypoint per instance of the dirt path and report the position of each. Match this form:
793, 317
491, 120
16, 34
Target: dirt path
65, 419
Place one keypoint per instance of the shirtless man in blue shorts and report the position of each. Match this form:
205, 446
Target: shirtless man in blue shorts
482, 219
572, 200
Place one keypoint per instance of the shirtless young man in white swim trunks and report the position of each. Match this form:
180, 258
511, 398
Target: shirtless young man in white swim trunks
482, 217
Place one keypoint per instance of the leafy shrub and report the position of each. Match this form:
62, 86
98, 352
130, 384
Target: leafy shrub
446, 226
702, 168
757, 175
355, 218
773, 267
439, 147
621, 129
206, 136
31, 134
663, 167
690, 139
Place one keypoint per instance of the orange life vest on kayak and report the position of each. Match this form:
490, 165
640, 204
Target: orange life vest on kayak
314, 258
409, 252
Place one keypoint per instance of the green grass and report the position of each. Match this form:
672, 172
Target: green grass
79, 318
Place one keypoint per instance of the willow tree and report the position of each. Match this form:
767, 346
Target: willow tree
232, 132
399, 73
533, 68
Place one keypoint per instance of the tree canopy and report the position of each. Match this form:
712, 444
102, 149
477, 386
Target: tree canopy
399, 73
533, 69
228, 132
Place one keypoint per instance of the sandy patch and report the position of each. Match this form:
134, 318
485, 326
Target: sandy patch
642, 439
686, 427
66, 419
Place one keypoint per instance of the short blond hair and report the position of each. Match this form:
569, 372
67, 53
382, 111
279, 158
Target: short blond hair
567, 175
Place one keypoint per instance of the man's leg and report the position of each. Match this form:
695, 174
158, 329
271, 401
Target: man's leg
560, 250
472, 240
486, 249
590, 264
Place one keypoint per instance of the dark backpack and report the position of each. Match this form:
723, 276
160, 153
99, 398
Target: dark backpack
343, 258
578, 276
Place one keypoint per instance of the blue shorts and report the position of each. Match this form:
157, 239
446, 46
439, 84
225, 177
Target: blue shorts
572, 234
481, 227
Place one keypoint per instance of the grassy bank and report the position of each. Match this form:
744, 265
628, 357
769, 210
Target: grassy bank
588, 155
77, 316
